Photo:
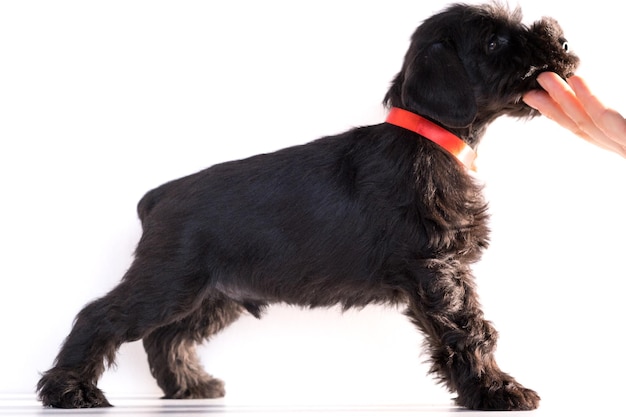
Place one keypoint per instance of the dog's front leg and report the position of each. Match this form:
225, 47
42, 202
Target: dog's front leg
462, 343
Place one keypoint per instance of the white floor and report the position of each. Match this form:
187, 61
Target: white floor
126, 407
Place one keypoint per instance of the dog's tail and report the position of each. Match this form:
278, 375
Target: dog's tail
148, 202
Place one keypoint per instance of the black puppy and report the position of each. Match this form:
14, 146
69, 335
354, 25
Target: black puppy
379, 214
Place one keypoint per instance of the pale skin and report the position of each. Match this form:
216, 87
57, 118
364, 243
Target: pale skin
572, 105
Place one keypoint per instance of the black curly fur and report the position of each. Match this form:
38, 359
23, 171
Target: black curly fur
377, 214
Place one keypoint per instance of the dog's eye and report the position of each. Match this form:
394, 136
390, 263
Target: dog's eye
564, 44
496, 42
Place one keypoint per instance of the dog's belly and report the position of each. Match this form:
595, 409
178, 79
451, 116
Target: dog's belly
314, 293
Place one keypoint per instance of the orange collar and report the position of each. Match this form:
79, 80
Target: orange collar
431, 131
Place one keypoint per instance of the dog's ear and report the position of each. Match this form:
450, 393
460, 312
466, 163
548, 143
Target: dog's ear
436, 85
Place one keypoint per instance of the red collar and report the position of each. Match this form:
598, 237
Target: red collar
447, 140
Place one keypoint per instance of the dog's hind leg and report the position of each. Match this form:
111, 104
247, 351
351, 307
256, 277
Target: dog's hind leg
150, 296
461, 342
172, 355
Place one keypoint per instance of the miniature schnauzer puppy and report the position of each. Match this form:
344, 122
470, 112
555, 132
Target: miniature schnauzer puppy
379, 214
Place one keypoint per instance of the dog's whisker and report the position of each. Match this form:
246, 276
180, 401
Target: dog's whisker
533, 70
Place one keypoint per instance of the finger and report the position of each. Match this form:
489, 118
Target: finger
541, 101
563, 94
610, 121
570, 104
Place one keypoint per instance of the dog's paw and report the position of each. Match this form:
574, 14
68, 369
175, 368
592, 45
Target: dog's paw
501, 396
212, 388
62, 389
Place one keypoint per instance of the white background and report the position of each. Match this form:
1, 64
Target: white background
102, 101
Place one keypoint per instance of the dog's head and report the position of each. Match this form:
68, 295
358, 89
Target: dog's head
470, 64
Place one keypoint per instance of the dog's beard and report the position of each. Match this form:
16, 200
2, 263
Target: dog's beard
533, 70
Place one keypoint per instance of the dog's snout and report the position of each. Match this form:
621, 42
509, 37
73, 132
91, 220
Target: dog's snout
553, 48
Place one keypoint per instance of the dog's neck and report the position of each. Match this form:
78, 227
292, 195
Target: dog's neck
433, 132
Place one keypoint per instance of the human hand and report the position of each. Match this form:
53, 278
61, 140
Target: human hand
572, 105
